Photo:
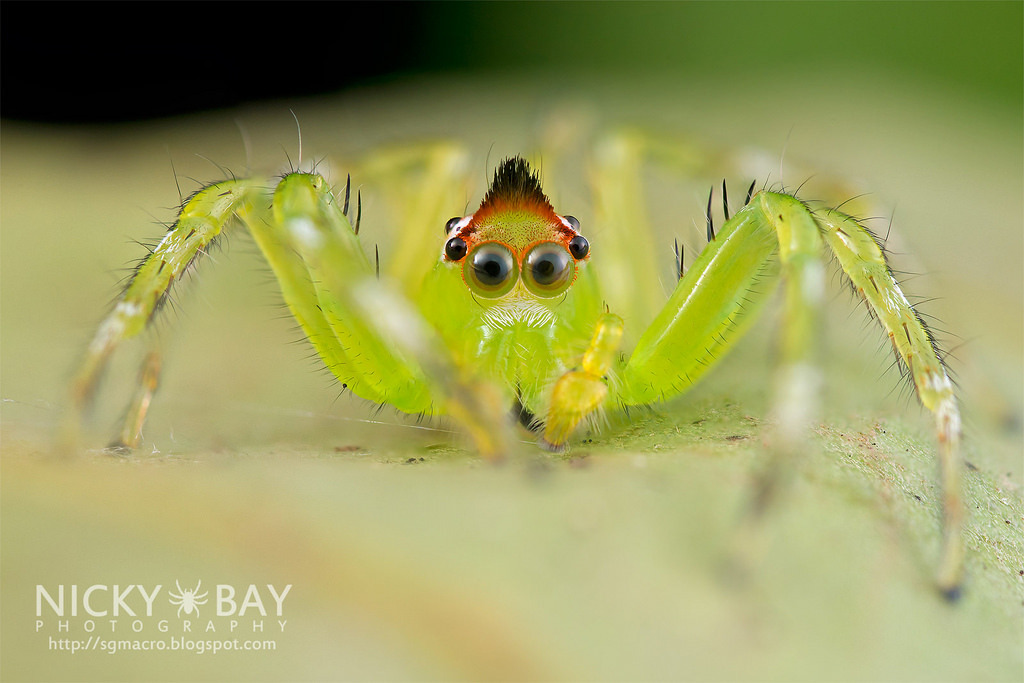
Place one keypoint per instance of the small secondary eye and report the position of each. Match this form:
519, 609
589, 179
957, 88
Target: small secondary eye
450, 225
548, 270
573, 221
491, 271
455, 249
579, 247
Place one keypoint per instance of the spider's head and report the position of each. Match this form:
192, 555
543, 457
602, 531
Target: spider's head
515, 244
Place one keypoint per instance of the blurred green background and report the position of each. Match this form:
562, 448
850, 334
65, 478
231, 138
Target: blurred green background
409, 558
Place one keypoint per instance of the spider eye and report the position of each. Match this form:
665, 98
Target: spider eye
455, 249
573, 221
548, 270
491, 271
450, 225
579, 247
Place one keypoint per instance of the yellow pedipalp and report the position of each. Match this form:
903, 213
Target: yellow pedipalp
578, 393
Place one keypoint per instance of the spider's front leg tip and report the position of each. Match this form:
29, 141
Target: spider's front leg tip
949, 580
119, 449
550, 446
952, 594
951, 585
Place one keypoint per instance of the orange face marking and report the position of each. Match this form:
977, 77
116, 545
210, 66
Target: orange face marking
516, 234
515, 212
518, 228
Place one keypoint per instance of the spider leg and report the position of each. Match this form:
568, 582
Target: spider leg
203, 217
798, 377
712, 304
401, 358
800, 256
863, 261
149, 380
335, 343
372, 339
616, 175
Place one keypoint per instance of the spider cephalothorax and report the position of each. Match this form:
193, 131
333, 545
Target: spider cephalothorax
510, 317
515, 242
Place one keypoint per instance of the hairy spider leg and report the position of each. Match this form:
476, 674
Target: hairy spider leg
798, 377
400, 355
320, 266
149, 380
201, 220
316, 256
712, 306
863, 261
334, 346
708, 311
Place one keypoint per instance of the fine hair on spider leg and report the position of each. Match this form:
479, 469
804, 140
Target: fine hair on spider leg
906, 377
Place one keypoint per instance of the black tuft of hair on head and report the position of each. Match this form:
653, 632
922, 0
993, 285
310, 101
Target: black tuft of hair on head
515, 182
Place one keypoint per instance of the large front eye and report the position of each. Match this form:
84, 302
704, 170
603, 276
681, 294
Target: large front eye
548, 269
490, 271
